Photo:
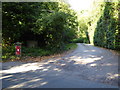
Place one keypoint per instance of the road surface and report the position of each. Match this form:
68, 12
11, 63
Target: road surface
86, 67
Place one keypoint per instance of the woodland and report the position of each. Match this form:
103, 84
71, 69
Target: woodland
58, 28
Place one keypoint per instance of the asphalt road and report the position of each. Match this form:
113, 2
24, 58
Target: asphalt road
86, 67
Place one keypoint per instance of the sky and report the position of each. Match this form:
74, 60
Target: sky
79, 5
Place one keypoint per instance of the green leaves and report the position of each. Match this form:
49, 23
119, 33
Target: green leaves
106, 28
56, 29
52, 24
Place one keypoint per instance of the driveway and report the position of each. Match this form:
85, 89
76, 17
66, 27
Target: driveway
86, 67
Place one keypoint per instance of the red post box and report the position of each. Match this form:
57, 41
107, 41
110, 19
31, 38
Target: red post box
18, 49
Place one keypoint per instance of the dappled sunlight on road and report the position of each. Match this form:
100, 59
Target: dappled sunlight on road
27, 82
87, 63
86, 60
23, 68
31, 75
89, 50
3, 77
109, 64
93, 65
112, 76
42, 67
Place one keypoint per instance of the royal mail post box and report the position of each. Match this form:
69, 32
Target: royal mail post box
18, 48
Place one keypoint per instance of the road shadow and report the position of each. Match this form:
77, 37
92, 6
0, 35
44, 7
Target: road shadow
92, 63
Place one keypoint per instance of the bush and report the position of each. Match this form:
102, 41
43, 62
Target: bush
35, 52
80, 40
8, 52
70, 46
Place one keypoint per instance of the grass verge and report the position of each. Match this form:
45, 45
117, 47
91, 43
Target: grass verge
9, 53
71, 46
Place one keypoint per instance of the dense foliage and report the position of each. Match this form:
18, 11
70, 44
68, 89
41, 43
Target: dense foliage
54, 24
101, 25
82, 32
49, 22
107, 33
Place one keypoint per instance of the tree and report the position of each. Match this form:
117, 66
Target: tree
20, 17
107, 27
51, 23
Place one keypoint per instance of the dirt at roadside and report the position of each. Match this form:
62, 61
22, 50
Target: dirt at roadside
40, 58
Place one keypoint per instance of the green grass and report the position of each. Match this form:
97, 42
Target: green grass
9, 52
35, 52
71, 46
